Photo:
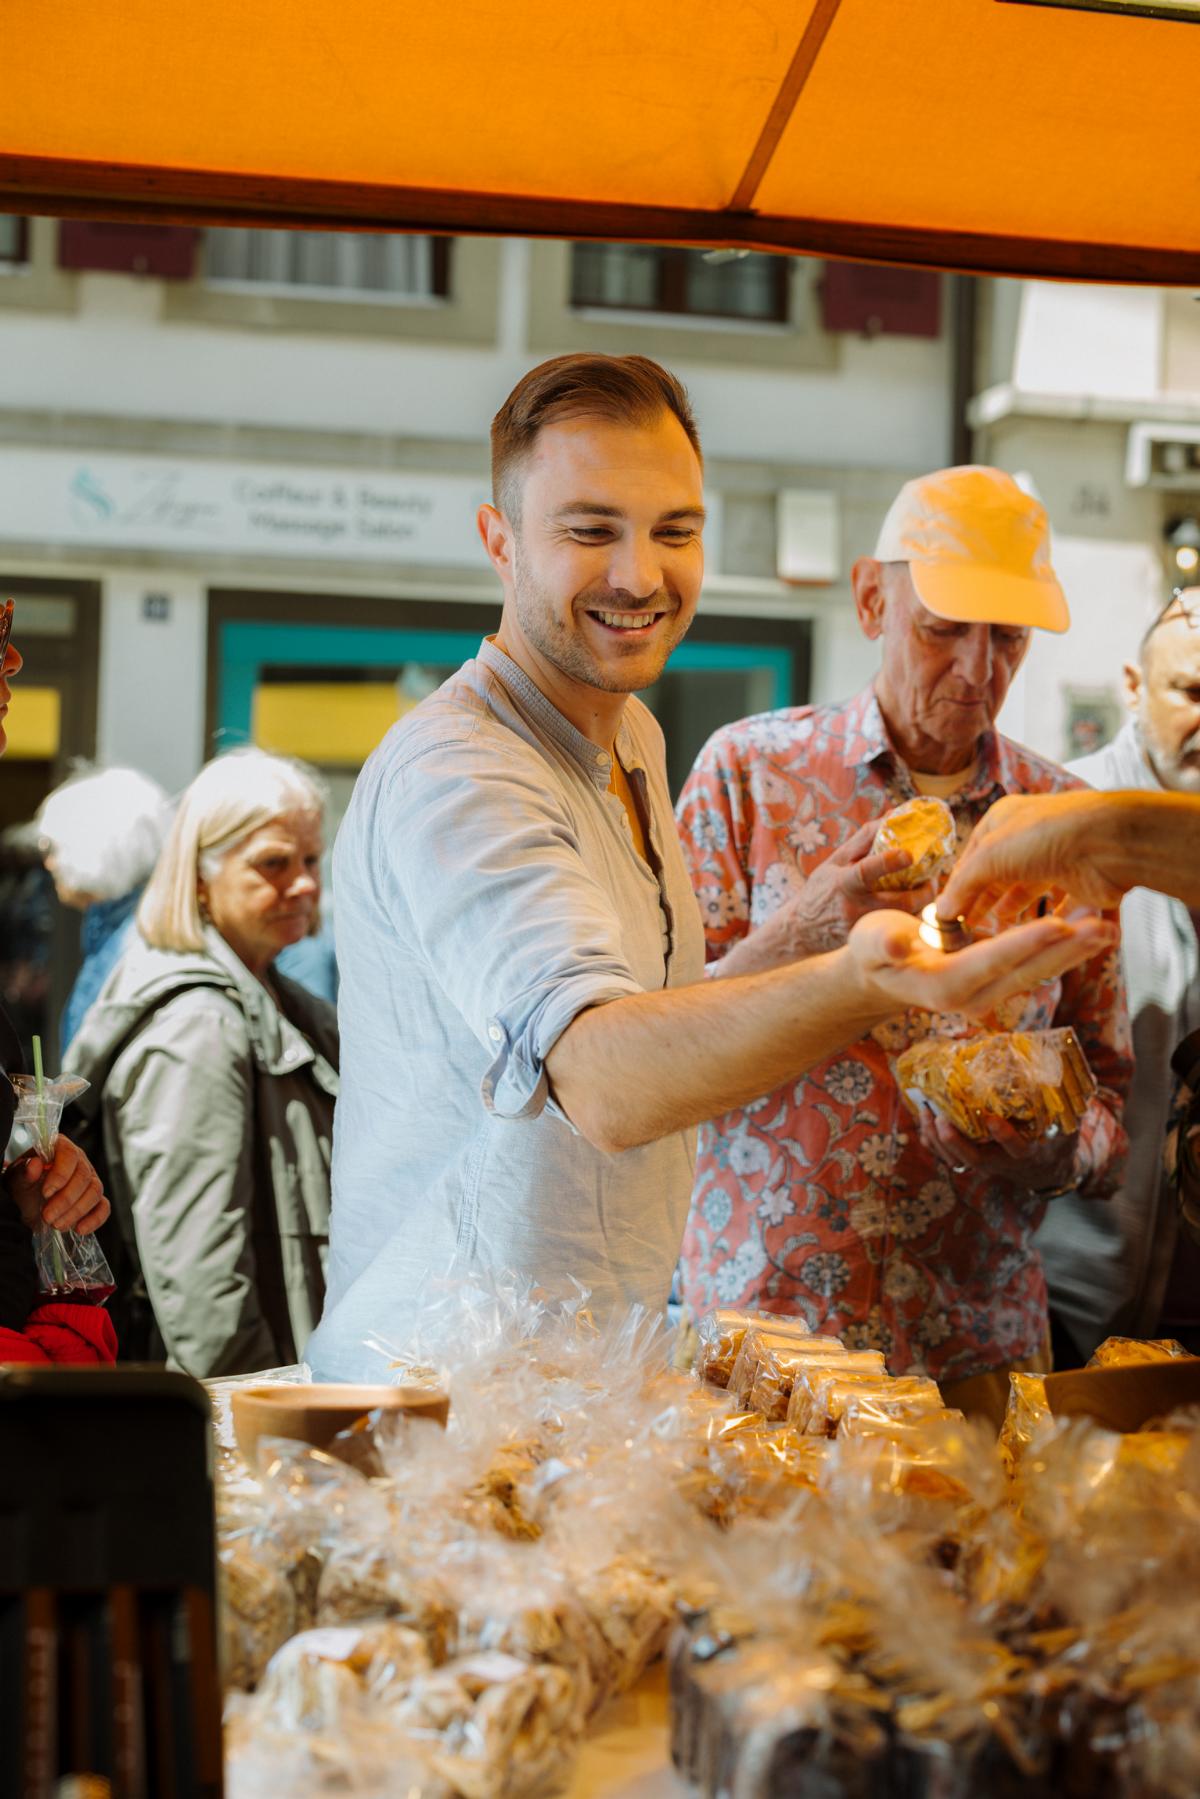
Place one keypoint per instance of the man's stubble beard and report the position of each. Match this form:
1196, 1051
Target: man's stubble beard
1168, 765
566, 650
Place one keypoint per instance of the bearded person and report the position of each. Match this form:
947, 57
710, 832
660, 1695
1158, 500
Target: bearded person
1124, 1269
527, 1042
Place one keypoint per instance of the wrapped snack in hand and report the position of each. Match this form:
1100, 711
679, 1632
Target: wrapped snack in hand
925, 828
1037, 1081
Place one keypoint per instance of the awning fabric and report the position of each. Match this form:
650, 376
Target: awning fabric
986, 135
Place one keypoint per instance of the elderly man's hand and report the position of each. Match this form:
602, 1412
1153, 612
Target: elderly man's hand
64, 1192
1004, 1154
842, 890
895, 968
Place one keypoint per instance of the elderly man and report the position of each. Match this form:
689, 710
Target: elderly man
526, 1043
1124, 1269
827, 1198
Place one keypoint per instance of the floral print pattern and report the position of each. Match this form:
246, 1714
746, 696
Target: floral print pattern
820, 1199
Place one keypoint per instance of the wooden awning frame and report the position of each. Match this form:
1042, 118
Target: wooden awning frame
139, 195
148, 194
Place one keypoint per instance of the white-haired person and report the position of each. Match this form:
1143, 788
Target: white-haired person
99, 835
214, 1079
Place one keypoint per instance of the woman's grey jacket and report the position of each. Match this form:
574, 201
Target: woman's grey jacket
212, 1115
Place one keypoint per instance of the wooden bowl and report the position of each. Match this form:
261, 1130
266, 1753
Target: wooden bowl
316, 1414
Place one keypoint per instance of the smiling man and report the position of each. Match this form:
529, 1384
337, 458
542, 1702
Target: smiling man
826, 1199
527, 1044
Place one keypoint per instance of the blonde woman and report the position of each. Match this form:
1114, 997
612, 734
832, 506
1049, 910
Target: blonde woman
214, 1079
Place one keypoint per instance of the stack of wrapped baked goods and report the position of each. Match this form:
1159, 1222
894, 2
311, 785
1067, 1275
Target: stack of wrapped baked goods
862, 1593
943, 1617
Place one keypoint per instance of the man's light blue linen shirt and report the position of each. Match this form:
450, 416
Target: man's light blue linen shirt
488, 890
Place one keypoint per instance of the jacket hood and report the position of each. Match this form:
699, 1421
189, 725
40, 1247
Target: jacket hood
146, 979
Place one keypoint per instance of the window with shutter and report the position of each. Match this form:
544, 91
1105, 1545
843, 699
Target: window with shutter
163, 252
329, 264
14, 242
880, 301
688, 283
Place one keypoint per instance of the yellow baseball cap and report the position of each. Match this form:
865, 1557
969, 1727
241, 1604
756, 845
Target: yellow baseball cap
978, 548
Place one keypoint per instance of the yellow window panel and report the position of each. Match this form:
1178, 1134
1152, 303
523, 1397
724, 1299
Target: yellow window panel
335, 724
34, 723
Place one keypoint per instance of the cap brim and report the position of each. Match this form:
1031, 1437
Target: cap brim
977, 595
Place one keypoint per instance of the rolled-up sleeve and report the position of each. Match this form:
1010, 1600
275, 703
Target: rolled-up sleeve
485, 875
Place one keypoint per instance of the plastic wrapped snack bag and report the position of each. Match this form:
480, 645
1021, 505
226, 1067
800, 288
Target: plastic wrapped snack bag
516, 1601
807, 1408
1038, 1081
925, 828
721, 1335
779, 1364
1127, 1352
363, 1754
906, 1399
759, 1340
257, 1608
318, 1678
491, 1726
68, 1265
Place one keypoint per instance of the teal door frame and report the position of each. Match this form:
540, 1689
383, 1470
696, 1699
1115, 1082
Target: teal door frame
247, 646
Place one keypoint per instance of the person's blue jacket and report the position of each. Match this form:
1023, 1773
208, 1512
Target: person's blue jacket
107, 928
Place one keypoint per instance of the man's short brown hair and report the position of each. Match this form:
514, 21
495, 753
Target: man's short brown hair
627, 390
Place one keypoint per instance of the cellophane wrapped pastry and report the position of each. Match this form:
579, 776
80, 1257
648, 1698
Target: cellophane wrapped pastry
319, 1679
1129, 1352
491, 1725
1037, 1081
808, 1407
257, 1608
1027, 1419
720, 1336
925, 828
763, 1345
865, 1409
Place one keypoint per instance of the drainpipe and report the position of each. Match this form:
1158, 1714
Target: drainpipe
964, 328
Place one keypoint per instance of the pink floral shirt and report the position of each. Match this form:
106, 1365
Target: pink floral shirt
821, 1199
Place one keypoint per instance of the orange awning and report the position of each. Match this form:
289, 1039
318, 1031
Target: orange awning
985, 135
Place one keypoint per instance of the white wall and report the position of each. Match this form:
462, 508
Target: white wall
1107, 553
151, 710
887, 404
1100, 342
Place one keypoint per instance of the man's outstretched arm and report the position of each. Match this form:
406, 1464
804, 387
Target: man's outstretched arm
1086, 848
645, 1065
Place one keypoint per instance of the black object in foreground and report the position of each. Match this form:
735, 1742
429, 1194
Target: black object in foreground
108, 1663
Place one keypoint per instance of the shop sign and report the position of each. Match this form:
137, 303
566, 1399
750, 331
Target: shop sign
60, 497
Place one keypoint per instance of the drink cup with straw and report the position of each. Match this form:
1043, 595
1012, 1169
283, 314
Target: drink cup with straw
70, 1266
